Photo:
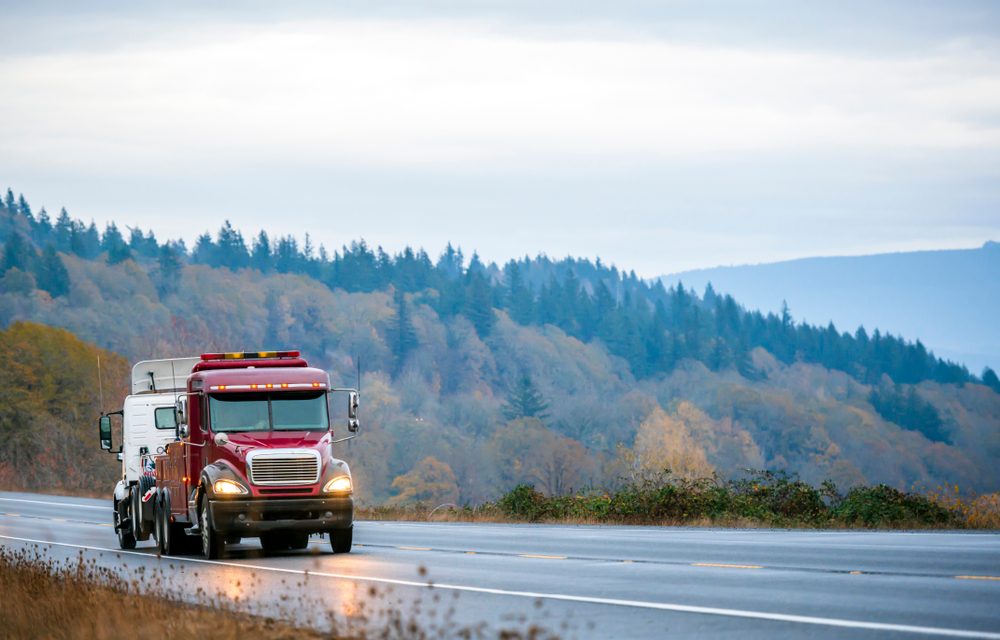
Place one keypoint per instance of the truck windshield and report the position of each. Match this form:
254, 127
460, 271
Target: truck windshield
286, 411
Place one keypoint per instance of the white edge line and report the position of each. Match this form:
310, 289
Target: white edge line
58, 504
639, 604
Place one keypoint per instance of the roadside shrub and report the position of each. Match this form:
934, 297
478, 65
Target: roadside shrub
761, 497
768, 495
523, 501
882, 505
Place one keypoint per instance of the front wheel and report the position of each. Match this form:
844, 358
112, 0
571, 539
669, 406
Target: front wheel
212, 544
340, 539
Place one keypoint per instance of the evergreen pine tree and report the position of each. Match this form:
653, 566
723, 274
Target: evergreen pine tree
402, 335
43, 228
114, 244
87, 243
25, 209
169, 274
204, 250
525, 401
63, 231
17, 253
990, 379
51, 273
260, 255
518, 296
479, 304
9, 202
230, 250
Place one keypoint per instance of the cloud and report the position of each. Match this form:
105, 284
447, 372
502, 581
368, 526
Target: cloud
658, 148
465, 93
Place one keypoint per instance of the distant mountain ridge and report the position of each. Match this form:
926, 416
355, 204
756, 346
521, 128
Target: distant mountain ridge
948, 299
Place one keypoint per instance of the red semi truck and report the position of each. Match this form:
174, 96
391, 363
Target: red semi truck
253, 457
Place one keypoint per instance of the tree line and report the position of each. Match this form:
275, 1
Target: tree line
650, 326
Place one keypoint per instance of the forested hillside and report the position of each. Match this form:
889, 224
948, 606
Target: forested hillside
49, 403
561, 373
948, 298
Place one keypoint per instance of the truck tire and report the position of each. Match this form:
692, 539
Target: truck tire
212, 544
340, 539
158, 523
141, 528
166, 534
125, 538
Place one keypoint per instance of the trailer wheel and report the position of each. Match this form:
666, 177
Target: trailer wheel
166, 540
125, 538
212, 544
340, 539
158, 524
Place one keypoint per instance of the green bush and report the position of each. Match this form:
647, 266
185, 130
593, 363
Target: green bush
523, 501
882, 505
767, 497
776, 496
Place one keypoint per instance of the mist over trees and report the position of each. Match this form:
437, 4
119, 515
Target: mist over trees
561, 373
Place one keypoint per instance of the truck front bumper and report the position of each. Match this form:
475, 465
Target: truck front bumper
249, 518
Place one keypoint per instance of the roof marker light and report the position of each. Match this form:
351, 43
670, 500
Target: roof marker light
249, 355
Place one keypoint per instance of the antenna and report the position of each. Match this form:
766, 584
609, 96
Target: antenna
173, 385
100, 382
358, 362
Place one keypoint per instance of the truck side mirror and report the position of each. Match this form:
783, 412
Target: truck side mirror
104, 431
352, 412
181, 417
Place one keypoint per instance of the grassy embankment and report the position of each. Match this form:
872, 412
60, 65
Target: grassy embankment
42, 598
764, 499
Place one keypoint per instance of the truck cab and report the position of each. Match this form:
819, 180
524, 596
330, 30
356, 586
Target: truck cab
254, 457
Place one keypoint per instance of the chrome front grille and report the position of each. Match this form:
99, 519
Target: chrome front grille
283, 467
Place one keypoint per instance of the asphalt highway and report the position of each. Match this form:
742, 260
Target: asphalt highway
579, 581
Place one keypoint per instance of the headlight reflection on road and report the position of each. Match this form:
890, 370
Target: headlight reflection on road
234, 586
350, 596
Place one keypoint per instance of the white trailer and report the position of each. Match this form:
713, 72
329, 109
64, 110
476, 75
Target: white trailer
148, 425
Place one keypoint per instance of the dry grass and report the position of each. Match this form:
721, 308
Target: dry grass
43, 598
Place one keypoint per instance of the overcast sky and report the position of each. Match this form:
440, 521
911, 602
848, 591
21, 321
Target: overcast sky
660, 136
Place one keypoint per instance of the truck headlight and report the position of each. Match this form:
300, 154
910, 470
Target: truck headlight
340, 484
228, 488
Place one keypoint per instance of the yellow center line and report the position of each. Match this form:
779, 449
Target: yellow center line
726, 566
977, 577
414, 548
541, 557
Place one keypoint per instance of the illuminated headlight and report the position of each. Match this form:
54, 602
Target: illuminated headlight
228, 488
340, 484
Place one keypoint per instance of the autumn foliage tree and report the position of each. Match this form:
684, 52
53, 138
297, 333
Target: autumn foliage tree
664, 443
430, 482
49, 404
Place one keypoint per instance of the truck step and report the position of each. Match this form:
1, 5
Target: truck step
192, 531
